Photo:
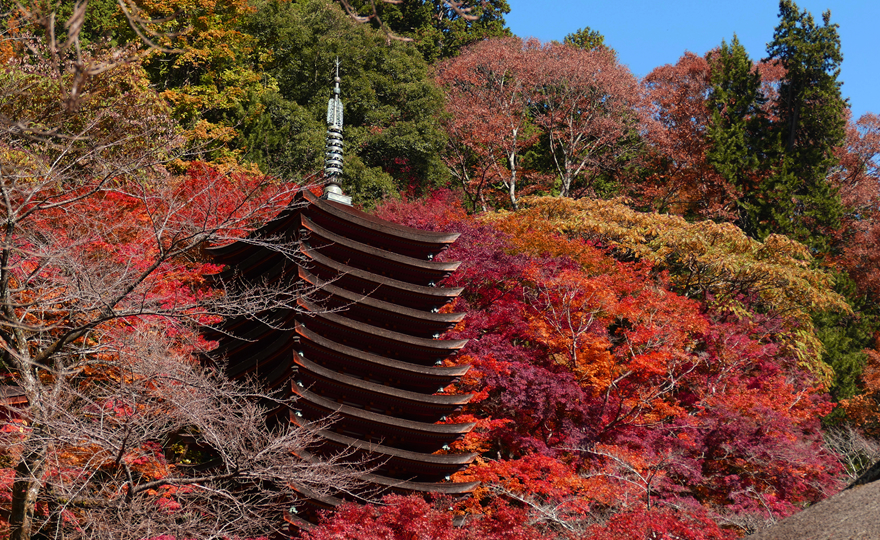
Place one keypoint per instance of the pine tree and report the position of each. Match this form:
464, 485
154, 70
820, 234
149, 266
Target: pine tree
734, 103
796, 197
585, 38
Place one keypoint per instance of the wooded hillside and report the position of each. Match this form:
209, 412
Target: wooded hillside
671, 283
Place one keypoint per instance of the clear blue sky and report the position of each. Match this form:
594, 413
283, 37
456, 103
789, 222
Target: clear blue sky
651, 33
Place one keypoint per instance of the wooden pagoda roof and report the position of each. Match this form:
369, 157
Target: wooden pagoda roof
375, 260
400, 292
391, 236
371, 366
375, 396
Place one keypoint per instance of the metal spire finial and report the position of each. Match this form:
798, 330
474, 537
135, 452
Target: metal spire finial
333, 161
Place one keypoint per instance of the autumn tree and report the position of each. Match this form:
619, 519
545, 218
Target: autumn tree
707, 259
489, 92
399, 518
858, 179
587, 104
678, 177
102, 294
706, 132
609, 403
143, 442
505, 96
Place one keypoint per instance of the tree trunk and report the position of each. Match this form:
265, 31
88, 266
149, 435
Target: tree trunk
566, 186
25, 490
511, 186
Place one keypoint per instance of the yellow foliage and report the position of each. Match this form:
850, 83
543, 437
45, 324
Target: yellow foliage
715, 261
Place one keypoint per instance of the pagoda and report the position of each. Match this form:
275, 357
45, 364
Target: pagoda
363, 348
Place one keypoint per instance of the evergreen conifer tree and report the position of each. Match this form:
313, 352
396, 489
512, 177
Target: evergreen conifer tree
585, 38
795, 198
736, 118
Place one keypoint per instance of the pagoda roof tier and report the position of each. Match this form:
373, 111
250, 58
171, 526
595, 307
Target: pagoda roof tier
373, 259
266, 360
378, 286
243, 332
363, 227
377, 397
394, 462
344, 359
297, 523
322, 502
409, 486
369, 310
372, 426
380, 340
406, 486
281, 226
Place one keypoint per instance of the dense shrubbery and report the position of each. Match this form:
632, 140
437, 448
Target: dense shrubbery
604, 394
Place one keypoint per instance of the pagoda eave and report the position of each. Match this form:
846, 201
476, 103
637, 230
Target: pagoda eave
405, 485
379, 286
372, 396
327, 352
414, 349
356, 300
332, 407
372, 258
455, 400
394, 462
376, 427
381, 231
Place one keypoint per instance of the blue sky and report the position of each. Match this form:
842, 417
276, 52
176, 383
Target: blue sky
647, 34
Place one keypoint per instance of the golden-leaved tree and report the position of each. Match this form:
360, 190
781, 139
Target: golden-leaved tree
710, 261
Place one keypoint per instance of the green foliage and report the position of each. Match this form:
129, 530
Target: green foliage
436, 29
391, 132
845, 337
585, 38
104, 22
795, 198
734, 103
281, 136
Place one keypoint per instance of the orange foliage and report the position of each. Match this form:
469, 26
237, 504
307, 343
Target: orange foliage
603, 389
864, 409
